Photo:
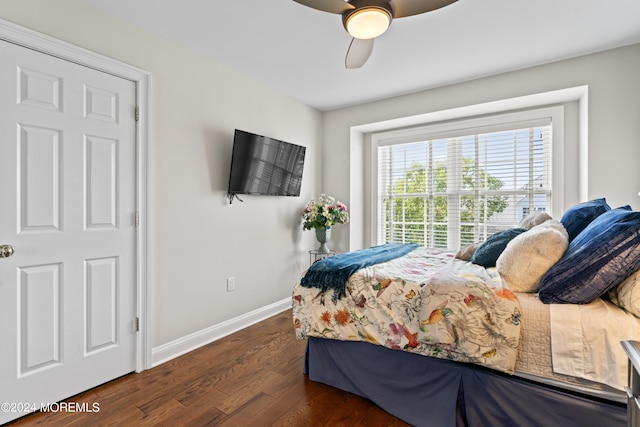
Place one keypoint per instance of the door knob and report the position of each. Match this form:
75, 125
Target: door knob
6, 251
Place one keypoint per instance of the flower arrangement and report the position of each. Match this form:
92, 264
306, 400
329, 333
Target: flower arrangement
324, 213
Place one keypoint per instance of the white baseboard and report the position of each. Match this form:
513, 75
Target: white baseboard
173, 349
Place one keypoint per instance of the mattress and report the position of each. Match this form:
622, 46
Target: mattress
535, 356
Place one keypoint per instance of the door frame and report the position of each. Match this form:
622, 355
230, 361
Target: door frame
34, 40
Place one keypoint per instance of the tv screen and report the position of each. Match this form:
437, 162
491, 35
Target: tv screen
266, 166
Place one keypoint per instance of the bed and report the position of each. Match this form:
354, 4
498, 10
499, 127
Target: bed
441, 341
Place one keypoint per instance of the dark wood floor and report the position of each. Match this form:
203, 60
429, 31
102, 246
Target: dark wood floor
251, 378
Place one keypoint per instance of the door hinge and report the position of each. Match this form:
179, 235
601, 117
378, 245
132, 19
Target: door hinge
137, 324
137, 219
136, 113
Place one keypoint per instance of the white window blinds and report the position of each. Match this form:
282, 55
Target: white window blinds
451, 188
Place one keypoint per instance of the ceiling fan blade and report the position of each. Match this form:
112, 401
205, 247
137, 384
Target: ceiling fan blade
331, 6
402, 8
358, 53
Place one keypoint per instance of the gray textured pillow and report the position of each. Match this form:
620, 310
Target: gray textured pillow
530, 255
533, 219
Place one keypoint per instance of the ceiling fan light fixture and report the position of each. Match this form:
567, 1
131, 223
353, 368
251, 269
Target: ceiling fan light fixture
367, 22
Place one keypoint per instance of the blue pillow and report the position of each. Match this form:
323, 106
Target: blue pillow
577, 217
488, 252
605, 253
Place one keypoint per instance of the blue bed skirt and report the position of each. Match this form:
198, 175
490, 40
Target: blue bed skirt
425, 391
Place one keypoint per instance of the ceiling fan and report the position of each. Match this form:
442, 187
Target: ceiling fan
367, 19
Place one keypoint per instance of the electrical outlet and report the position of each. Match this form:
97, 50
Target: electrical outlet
231, 284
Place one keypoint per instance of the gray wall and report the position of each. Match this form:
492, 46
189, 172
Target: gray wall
197, 239
600, 159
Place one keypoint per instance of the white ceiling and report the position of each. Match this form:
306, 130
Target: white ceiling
300, 51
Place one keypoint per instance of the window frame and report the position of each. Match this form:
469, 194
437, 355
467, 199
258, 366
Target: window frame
465, 126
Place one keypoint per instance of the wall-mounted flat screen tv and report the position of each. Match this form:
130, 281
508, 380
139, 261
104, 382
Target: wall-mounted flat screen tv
265, 166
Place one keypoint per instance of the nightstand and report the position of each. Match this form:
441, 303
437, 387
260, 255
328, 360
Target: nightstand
315, 256
632, 348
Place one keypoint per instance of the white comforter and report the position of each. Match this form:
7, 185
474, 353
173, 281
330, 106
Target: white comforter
425, 302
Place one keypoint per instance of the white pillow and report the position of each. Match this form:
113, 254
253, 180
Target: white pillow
531, 254
627, 294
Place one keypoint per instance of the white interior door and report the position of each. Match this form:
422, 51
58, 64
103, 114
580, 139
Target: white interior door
67, 208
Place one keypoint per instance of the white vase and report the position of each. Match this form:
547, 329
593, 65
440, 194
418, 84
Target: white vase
323, 235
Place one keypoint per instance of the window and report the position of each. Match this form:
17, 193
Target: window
447, 186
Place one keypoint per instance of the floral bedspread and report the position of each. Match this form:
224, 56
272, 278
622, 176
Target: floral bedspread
425, 302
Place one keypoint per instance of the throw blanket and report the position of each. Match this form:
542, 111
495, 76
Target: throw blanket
333, 272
